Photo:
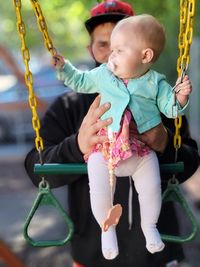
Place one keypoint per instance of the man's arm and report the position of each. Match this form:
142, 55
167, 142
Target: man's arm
156, 138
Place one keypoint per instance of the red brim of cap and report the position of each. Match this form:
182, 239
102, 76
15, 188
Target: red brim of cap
92, 22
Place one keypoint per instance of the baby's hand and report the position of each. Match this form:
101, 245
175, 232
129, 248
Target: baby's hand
58, 61
184, 88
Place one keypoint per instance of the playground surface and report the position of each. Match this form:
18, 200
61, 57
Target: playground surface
17, 194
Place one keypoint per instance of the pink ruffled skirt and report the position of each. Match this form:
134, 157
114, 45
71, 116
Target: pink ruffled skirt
124, 145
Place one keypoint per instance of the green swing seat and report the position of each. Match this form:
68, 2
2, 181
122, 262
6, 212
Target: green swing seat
45, 197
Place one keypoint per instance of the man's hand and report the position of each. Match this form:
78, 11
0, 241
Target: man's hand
87, 137
156, 138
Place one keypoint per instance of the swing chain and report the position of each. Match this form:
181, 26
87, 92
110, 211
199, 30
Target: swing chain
43, 27
187, 11
28, 75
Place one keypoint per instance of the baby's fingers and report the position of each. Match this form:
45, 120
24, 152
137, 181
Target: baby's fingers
54, 61
185, 91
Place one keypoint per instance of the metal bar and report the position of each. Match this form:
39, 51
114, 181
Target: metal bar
81, 168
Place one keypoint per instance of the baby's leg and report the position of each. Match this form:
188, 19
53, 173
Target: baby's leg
147, 183
146, 176
101, 201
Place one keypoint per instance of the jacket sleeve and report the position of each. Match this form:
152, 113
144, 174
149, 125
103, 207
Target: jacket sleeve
80, 81
59, 130
188, 152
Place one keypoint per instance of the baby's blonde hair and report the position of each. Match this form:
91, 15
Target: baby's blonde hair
148, 30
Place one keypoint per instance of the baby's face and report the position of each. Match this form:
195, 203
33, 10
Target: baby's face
125, 59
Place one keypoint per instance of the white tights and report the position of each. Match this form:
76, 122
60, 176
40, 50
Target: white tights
146, 177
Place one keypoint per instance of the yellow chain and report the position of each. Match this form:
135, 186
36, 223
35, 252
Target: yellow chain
28, 75
43, 26
187, 11
26, 58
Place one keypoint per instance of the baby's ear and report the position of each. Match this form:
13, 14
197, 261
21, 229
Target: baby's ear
147, 55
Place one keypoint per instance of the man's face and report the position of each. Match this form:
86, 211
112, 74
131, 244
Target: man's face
100, 44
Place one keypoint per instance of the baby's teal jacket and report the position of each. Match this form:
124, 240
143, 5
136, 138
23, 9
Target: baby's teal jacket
145, 96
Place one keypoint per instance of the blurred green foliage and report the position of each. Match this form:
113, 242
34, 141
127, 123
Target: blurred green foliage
65, 20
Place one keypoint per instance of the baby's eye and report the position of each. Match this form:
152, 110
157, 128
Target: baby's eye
119, 51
